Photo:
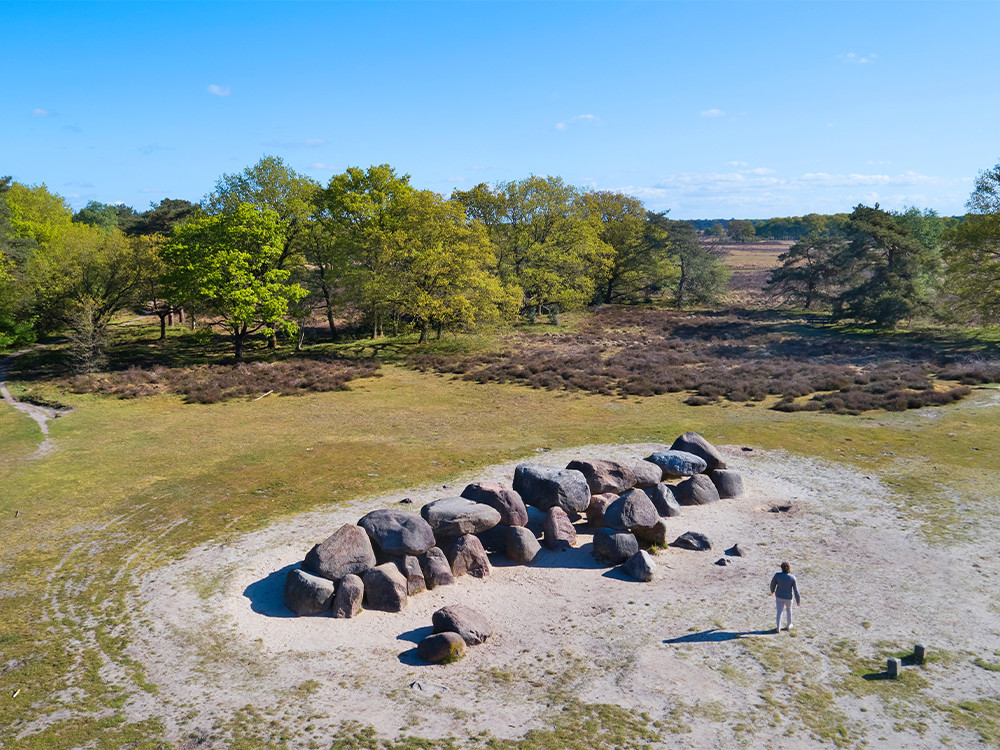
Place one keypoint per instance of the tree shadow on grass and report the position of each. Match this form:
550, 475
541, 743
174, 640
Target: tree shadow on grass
267, 596
715, 635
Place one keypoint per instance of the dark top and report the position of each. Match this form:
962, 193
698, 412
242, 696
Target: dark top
783, 586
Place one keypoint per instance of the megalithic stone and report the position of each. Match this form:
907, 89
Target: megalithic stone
919, 653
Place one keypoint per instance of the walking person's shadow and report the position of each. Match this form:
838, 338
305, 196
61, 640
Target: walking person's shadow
715, 635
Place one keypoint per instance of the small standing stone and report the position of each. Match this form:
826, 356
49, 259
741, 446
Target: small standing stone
560, 534
437, 569
350, 592
640, 566
919, 653
892, 667
522, 547
466, 555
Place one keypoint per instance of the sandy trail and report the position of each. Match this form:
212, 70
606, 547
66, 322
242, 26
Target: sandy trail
217, 636
41, 414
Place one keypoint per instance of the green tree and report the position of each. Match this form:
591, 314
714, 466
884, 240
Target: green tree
83, 266
447, 267
546, 246
36, 216
889, 273
808, 272
228, 264
162, 217
639, 263
363, 212
106, 216
972, 251
702, 276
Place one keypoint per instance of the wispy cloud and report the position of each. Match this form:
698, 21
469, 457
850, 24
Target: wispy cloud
39, 112
594, 119
306, 143
761, 193
712, 113
217, 90
152, 148
852, 57
736, 164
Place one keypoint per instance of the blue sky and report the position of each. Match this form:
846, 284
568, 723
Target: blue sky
707, 109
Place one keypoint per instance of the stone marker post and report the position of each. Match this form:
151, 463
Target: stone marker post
919, 653
892, 667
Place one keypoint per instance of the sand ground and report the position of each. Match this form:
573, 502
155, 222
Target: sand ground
690, 648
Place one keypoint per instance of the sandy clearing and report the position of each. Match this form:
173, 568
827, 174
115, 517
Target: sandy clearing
216, 636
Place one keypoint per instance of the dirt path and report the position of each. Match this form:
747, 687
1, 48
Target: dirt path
41, 414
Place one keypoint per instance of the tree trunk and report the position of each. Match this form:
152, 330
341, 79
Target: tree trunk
238, 341
163, 326
333, 326
272, 340
439, 327
180, 315
170, 317
423, 333
299, 339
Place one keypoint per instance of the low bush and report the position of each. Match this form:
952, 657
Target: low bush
738, 357
208, 384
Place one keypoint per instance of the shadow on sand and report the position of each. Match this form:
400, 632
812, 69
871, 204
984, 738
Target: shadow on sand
267, 596
714, 635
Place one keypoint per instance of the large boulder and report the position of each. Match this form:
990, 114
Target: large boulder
632, 509
692, 442
395, 533
655, 534
560, 534
350, 592
546, 487
678, 464
452, 517
729, 483
385, 588
466, 555
409, 566
598, 507
640, 566
441, 648
605, 476
501, 498
437, 569
467, 622
307, 594
522, 546
662, 496
347, 550
614, 546
646, 473
696, 490
692, 540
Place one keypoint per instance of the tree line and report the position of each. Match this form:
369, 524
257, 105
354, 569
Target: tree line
882, 268
269, 247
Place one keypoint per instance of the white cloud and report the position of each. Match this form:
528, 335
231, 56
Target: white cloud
759, 171
306, 143
219, 90
852, 57
712, 113
580, 118
736, 164
39, 112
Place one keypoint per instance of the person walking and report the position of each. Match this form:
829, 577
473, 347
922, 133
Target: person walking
784, 587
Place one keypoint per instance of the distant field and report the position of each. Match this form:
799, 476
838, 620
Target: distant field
750, 264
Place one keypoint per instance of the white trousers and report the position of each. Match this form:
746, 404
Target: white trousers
786, 606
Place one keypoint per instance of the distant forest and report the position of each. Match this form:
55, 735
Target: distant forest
267, 249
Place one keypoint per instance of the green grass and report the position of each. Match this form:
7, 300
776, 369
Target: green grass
134, 484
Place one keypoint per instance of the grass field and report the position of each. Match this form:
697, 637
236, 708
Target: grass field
136, 483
